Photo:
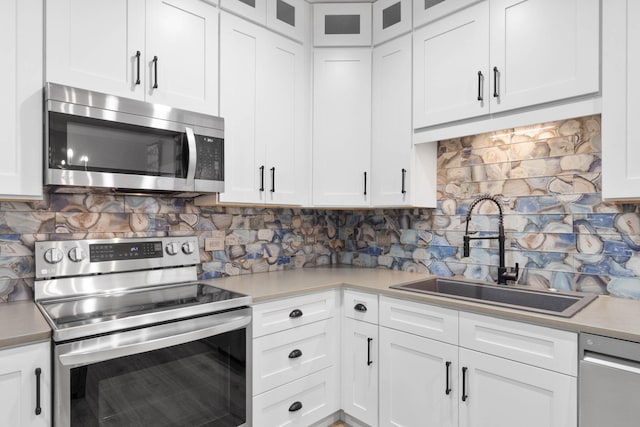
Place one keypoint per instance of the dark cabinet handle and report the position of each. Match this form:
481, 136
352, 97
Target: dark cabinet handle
261, 178
295, 354
273, 179
465, 396
38, 408
369, 361
447, 389
360, 307
404, 174
155, 72
365, 183
496, 93
480, 79
138, 67
295, 406
295, 313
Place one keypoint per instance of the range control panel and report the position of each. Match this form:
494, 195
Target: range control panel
83, 257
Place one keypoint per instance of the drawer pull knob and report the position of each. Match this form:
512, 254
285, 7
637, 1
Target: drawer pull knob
295, 313
360, 307
295, 406
295, 354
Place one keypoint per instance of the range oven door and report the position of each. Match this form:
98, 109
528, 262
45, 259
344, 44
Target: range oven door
193, 372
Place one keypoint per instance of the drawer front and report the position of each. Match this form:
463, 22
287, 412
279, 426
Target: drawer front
421, 319
288, 355
287, 313
360, 306
300, 403
531, 344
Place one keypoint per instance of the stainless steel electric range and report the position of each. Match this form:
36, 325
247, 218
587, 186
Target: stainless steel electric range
137, 340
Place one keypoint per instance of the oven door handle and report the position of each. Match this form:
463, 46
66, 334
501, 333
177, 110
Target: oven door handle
193, 160
156, 337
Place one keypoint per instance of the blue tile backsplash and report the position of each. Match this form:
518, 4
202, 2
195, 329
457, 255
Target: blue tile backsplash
547, 176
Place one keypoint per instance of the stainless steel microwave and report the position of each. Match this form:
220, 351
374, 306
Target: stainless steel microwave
98, 140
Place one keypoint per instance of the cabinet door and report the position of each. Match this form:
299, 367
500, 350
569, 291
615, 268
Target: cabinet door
21, 99
391, 18
282, 117
620, 99
342, 24
288, 17
342, 127
92, 44
392, 133
360, 370
544, 50
182, 54
18, 385
452, 87
502, 393
245, 169
418, 381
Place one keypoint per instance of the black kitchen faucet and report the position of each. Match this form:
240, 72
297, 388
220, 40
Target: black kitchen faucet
504, 274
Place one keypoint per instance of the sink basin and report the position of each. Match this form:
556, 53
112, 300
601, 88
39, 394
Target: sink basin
564, 304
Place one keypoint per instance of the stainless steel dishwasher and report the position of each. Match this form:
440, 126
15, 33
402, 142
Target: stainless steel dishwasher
609, 382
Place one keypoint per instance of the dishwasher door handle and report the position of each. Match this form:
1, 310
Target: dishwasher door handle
613, 362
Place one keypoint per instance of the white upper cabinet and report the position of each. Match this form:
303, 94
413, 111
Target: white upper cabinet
255, 10
448, 86
391, 18
391, 143
342, 127
509, 55
620, 100
342, 24
21, 26
543, 50
263, 102
288, 17
160, 51
182, 53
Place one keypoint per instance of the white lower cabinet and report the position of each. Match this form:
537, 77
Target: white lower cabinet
360, 364
299, 403
296, 368
497, 392
418, 381
25, 386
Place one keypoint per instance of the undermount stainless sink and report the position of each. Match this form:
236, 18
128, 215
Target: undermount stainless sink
564, 304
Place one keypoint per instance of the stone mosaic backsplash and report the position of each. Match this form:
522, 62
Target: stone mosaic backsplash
557, 227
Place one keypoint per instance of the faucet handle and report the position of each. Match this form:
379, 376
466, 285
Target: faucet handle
512, 273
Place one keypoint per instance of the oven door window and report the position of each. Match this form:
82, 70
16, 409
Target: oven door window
89, 144
200, 383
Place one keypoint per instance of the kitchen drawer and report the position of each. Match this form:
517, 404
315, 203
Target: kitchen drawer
288, 355
317, 396
278, 315
531, 344
420, 319
360, 306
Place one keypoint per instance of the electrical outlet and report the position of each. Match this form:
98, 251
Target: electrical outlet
216, 242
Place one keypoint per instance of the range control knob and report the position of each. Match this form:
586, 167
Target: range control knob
188, 248
172, 248
76, 254
53, 255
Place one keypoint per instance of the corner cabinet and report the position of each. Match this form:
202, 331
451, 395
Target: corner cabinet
620, 100
513, 54
262, 98
342, 127
21, 27
161, 51
25, 385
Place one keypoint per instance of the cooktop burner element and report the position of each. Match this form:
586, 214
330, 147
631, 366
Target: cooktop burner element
123, 284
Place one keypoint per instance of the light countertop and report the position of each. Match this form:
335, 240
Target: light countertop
610, 316
21, 323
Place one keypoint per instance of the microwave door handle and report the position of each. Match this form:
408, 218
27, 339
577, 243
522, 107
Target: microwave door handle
191, 168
